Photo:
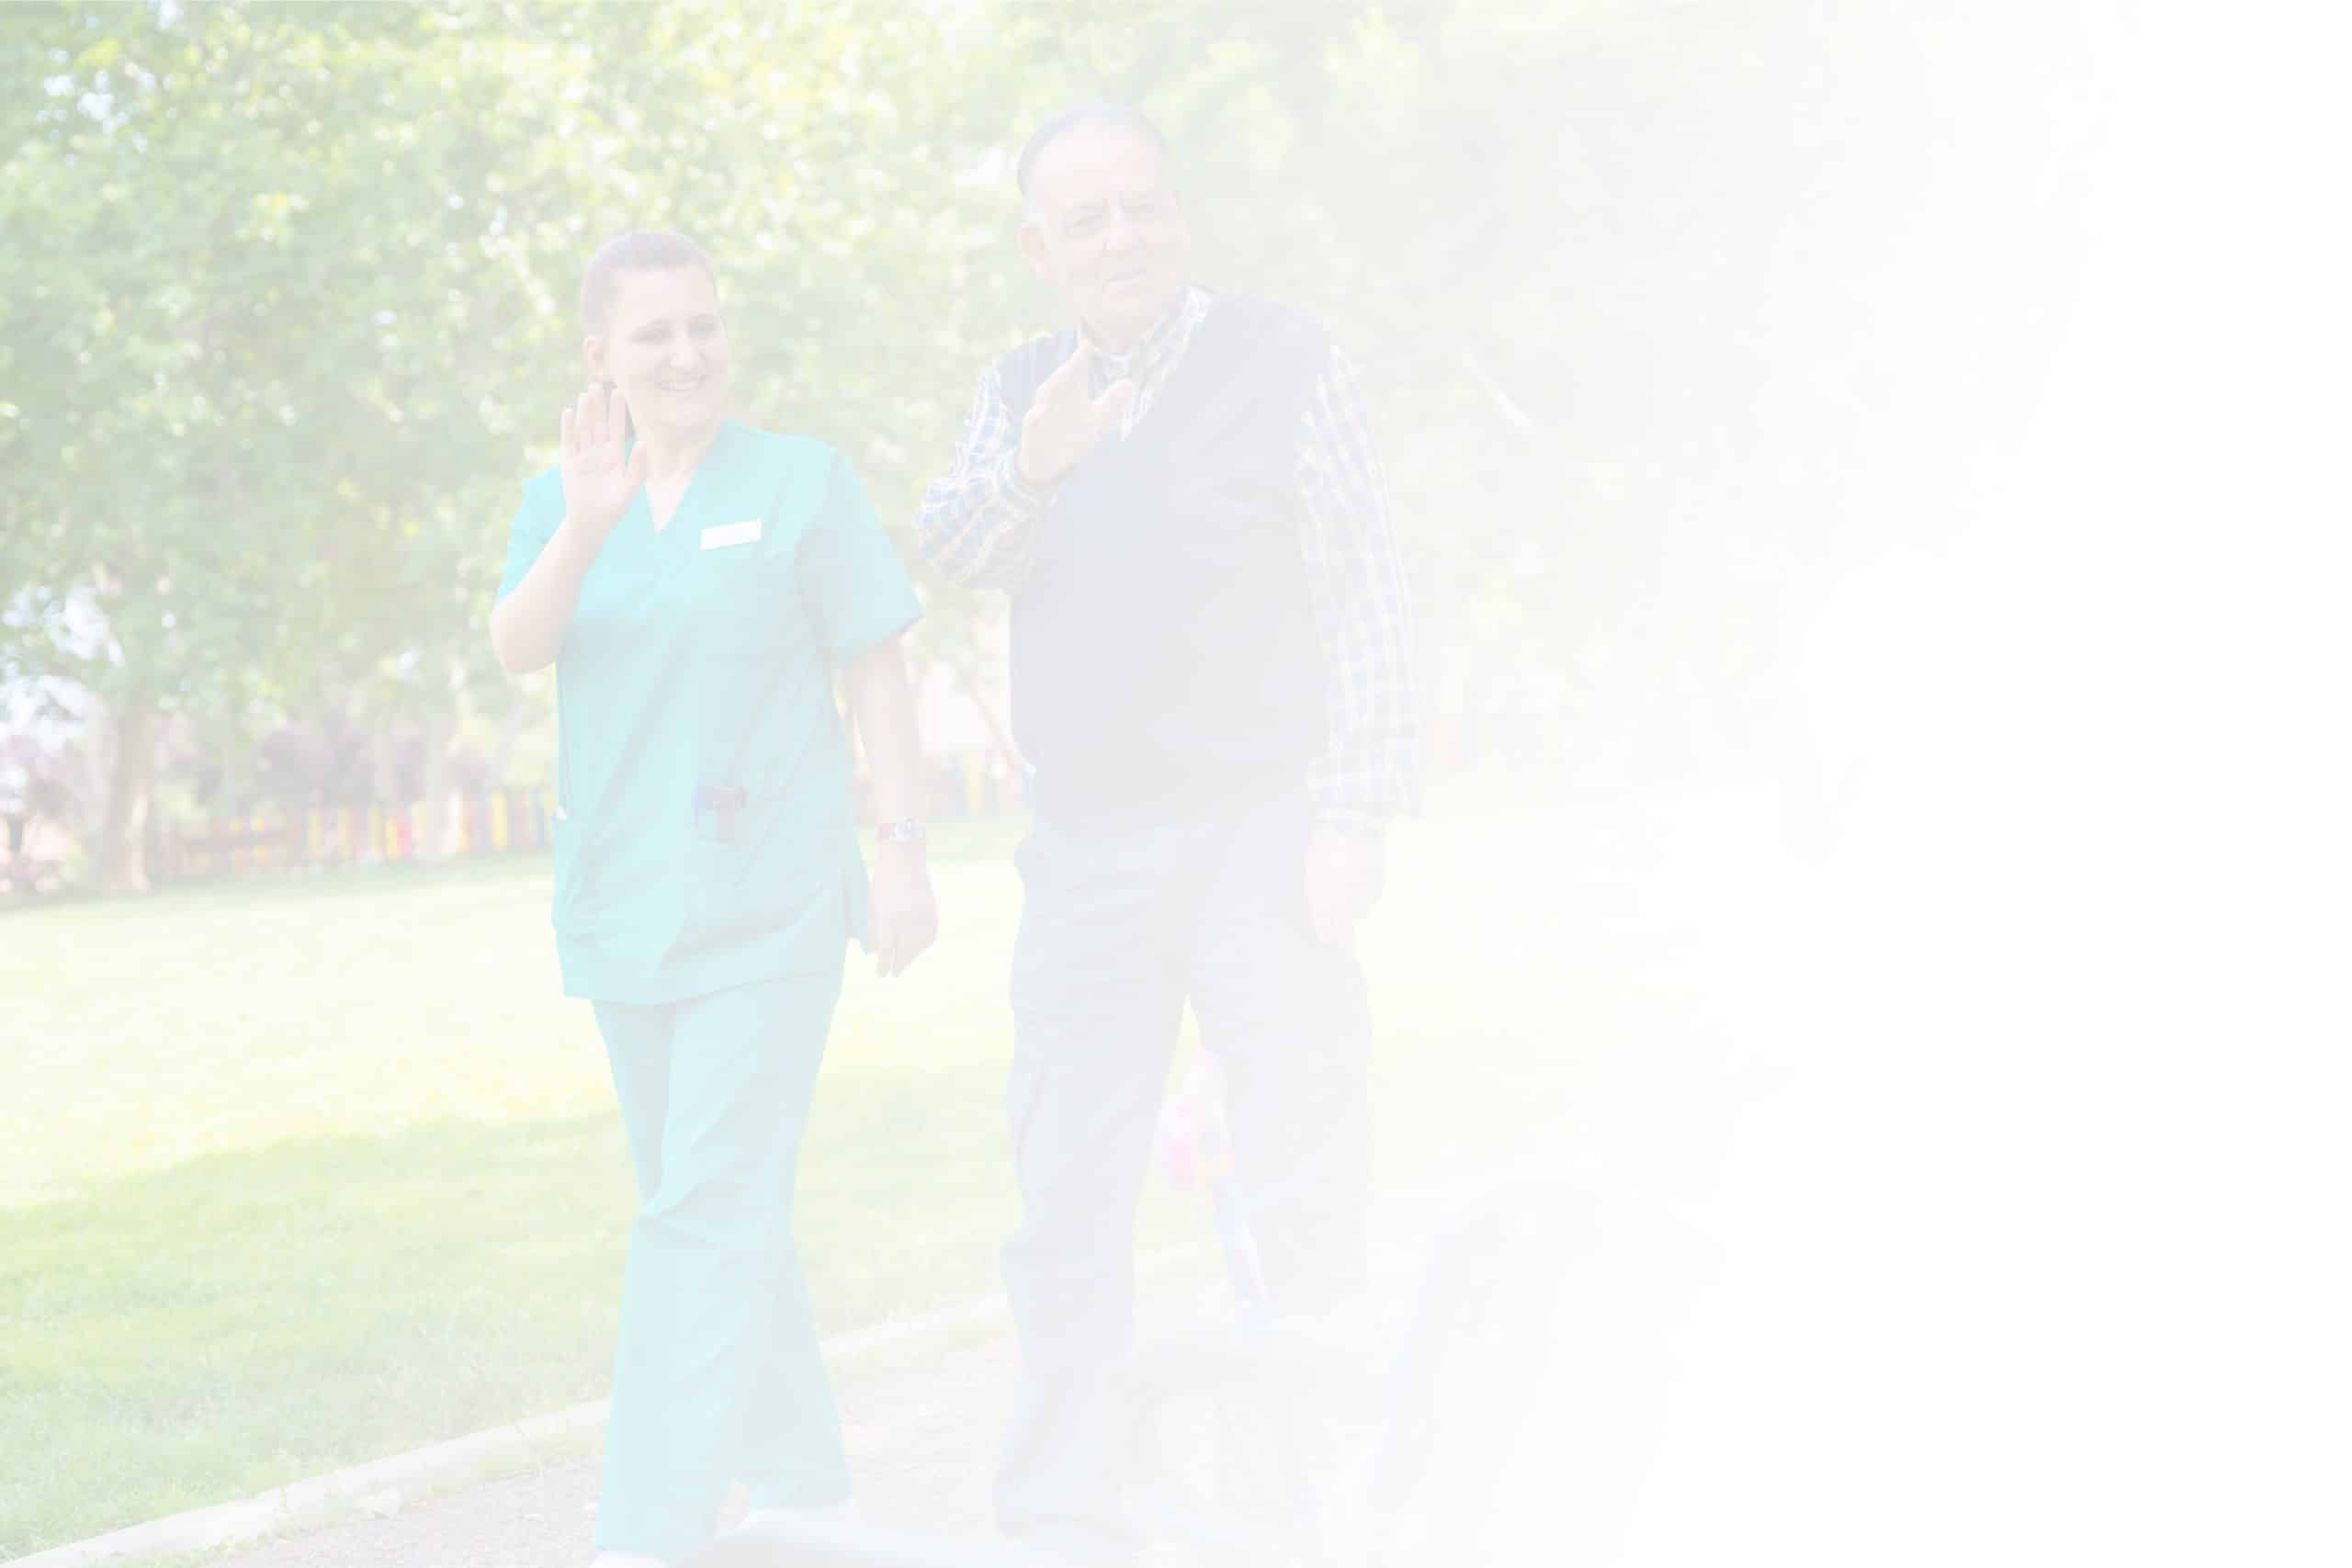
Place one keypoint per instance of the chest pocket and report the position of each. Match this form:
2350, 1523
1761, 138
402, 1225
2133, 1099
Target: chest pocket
754, 659
624, 601
744, 602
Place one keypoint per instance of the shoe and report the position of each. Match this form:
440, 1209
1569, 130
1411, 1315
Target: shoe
766, 1520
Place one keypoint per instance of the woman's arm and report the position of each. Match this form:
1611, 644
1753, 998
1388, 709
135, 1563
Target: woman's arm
599, 482
903, 918
526, 628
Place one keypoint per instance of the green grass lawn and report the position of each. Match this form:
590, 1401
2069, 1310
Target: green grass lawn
297, 1173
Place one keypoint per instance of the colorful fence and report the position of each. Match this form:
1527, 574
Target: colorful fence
500, 822
968, 787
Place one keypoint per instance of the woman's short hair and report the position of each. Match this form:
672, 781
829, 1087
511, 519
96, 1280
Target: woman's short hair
642, 250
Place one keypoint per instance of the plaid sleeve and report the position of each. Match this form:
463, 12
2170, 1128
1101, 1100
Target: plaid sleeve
979, 521
1371, 769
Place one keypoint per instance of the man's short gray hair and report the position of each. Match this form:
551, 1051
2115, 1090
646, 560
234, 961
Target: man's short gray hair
1100, 111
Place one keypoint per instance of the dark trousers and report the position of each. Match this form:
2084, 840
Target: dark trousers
1122, 923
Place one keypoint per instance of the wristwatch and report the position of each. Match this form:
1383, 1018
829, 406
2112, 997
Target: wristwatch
905, 831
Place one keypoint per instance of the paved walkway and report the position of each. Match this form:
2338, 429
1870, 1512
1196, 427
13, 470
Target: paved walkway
921, 1439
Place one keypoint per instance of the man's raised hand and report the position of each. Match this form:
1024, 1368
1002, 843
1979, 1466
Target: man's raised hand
1065, 420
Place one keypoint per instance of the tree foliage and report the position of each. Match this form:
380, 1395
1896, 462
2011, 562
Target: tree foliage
291, 308
290, 303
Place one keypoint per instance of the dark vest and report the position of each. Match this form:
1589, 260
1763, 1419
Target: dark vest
1164, 650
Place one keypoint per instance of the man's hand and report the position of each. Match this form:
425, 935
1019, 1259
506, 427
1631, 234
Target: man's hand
1343, 875
1064, 421
598, 482
900, 916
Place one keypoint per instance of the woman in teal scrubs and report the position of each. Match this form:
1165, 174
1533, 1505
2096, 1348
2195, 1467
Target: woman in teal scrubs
696, 583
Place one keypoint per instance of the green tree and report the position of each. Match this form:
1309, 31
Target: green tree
297, 306
290, 292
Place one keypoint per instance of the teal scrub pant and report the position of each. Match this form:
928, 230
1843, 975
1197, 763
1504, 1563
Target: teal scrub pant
717, 1377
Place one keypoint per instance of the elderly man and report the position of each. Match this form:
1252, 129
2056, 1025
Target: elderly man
1210, 669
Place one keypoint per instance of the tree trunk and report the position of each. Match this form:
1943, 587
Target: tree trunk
1001, 731
120, 855
440, 729
510, 728
383, 781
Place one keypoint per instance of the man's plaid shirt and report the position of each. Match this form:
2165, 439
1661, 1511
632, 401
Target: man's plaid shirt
979, 524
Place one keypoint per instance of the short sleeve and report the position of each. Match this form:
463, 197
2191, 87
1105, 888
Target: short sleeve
857, 593
535, 524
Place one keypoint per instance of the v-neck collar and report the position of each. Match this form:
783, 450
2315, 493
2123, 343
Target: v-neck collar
1178, 368
661, 536
1146, 358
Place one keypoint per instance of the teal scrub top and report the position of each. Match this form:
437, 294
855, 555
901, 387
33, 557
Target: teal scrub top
695, 674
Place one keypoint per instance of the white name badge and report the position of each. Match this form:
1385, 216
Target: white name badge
728, 534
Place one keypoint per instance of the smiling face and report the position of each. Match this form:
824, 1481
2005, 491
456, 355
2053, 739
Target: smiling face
664, 346
1103, 229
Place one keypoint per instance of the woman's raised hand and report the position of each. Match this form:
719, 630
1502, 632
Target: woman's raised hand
598, 481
